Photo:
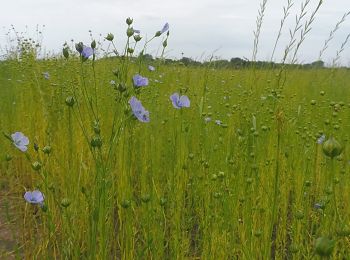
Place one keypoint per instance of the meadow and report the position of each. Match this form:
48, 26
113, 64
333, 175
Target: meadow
254, 166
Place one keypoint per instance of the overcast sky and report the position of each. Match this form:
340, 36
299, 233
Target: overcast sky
197, 27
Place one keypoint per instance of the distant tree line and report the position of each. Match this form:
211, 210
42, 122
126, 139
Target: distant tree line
238, 63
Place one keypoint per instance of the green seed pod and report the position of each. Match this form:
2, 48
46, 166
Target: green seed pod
130, 50
65, 52
121, 87
137, 37
129, 21
146, 198
110, 37
8, 157
221, 175
52, 187
191, 156
332, 147
96, 142
79, 47
36, 147
44, 207
324, 246
130, 32
213, 177
299, 214
36, 166
70, 101
165, 43
163, 201
125, 204
217, 195
308, 183
313, 102
158, 33
65, 202
47, 149
97, 129
93, 44
249, 181
258, 233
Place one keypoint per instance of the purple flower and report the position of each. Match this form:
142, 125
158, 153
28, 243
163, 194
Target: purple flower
321, 139
151, 68
138, 110
140, 81
165, 28
87, 52
46, 75
207, 119
34, 197
218, 122
137, 31
20, 141
319, 206
179, 102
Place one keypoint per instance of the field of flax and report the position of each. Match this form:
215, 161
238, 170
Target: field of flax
247, 163
238, 174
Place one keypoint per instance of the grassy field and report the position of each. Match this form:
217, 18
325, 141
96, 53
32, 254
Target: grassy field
257, 166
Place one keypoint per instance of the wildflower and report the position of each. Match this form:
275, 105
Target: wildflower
321, 139
138, 110
207, 119
46, 75
20, 141
218, 122
140, 81
87, 52
164, 29
137, 31
34, 197
319, 206
179, 102
151, 68
112, 82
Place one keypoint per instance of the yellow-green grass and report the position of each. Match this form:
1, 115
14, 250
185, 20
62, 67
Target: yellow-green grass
176, 187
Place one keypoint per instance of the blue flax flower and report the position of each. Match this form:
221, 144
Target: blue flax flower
321, 139
138, 110
151, 68
179, 102
87, 52
140, 81
165, 28
34, 197
46, 75
20, 141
